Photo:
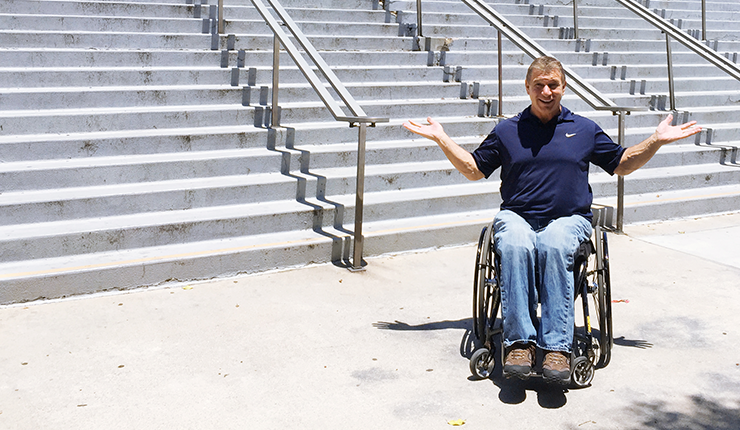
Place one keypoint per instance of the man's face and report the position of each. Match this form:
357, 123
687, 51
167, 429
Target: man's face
545, 89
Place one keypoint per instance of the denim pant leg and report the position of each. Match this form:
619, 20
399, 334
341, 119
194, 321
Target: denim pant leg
515, 244
556, 246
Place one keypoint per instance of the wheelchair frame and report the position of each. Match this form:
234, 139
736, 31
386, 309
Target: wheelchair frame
590, 350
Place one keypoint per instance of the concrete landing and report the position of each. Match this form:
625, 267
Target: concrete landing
323, 348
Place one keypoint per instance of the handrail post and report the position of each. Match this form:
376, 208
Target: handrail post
418, 18
500, 77
703, 19
359, 198
221, 17
620, 178
274, 120
575, 19
358, 116
669, 58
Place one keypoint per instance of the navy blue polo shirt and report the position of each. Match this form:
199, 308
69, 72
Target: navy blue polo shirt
544, 167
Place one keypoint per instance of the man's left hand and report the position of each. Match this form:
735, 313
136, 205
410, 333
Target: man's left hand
667, 133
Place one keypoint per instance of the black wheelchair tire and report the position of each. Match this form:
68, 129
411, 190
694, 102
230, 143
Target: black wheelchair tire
482, 363
606, 338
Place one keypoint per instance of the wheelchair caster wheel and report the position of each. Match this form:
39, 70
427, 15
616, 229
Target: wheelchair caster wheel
482, 363
583, 372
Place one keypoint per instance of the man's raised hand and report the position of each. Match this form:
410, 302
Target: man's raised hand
667, 133
433, 130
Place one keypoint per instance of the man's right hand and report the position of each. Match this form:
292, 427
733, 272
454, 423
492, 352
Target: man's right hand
432, 131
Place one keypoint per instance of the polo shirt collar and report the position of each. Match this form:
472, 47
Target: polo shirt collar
565, 115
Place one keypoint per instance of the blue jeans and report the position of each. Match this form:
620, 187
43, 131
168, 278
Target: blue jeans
549, 245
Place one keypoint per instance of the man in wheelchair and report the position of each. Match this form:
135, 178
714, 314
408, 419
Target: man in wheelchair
544, 154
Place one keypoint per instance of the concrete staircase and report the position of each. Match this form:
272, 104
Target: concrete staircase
135, 154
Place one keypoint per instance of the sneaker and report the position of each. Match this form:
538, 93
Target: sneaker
519, 361
556, 368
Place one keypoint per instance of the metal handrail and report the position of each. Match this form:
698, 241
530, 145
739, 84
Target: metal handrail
358, 116
675, 33
580, 87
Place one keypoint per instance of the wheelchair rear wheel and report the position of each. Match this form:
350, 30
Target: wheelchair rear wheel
485, 288
603, 299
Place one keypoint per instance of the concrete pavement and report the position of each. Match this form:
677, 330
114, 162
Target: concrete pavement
323, 348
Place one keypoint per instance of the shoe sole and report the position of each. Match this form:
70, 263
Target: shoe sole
517, 373
557, 378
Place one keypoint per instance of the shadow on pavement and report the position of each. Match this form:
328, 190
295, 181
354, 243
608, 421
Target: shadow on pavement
511, 391
702, 414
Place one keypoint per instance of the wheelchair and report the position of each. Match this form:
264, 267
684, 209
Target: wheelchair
591, 344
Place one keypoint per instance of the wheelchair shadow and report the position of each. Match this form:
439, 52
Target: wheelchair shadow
511, 391
467, 346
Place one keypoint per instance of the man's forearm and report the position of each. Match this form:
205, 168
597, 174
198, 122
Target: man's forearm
460, 158
636, 156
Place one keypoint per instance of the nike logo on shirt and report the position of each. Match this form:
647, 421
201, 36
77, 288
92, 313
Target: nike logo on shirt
569, 134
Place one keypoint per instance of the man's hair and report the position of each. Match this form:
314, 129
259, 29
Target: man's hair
545, 64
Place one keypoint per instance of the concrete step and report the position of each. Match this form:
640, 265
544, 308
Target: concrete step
155, 141
114, 119
162, 140
69, 203
118, 24
59, 98
324, 42
144, 20
151, 117
95, 171
143, 117
100, 8
323, 4
678, 204
110, 40
524, 19
123, 40
30, 58
675, 178
336, 26
117, 76
90, 97
309, 12
542, 32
